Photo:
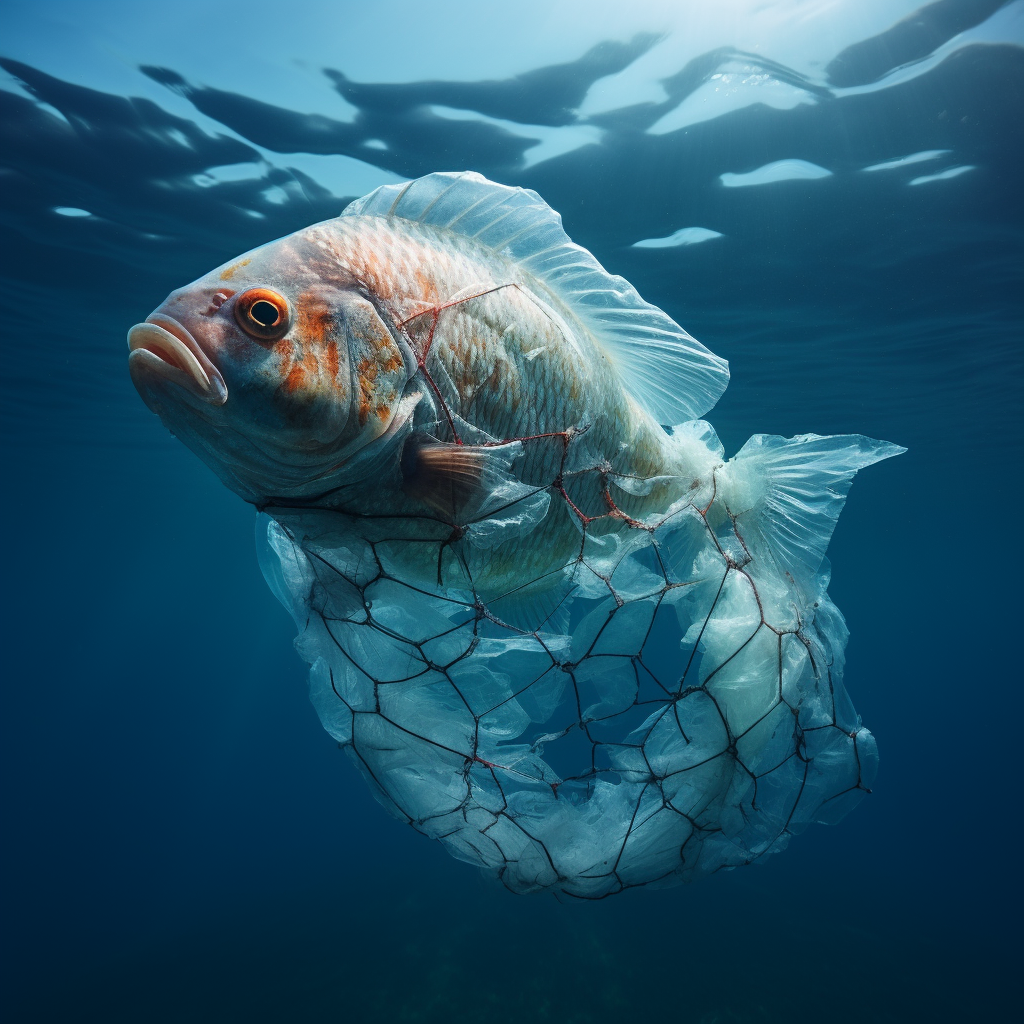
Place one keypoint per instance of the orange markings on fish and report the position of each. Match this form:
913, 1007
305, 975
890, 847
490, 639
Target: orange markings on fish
295, 379
298, 372
427, 287
294, 373
332, 360
315, 319
226, 275
314, 326
367, 373
367, 269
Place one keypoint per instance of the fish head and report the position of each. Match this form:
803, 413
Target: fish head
277, 368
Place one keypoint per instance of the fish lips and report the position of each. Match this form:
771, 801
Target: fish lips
163, 350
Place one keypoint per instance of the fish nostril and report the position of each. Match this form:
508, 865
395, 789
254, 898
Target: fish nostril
217, 300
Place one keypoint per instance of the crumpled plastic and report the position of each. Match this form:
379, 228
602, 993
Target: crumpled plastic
683, 713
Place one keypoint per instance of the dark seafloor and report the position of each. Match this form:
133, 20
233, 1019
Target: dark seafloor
182, 841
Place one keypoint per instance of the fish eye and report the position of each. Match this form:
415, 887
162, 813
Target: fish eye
263, 313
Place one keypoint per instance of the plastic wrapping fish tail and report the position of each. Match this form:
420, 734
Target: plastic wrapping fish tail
784, 496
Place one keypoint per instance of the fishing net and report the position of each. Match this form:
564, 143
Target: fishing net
676, 709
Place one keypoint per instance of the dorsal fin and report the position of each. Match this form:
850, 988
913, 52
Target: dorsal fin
669, 373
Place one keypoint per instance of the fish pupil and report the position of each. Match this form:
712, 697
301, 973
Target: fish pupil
266, 314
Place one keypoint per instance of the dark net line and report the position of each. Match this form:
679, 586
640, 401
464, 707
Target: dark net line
603, 755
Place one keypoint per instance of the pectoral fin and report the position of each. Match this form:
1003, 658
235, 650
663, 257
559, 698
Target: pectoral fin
446, 477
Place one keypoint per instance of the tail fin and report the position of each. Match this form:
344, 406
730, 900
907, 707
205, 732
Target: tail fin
785, 495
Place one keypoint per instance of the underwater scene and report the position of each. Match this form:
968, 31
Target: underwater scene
496, 500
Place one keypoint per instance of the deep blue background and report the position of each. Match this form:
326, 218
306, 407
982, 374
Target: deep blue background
184, 842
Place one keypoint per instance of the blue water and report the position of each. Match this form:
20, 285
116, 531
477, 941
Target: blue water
182, 841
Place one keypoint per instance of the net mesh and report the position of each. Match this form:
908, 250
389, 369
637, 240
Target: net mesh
674, 708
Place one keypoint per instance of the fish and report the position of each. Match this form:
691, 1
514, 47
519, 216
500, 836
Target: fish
299, 369
476, 455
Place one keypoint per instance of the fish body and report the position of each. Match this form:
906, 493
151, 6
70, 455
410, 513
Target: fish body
452, 418
405, 328
506, 361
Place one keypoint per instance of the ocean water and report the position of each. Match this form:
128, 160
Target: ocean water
827, 194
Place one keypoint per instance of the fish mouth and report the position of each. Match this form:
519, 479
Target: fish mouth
167, 348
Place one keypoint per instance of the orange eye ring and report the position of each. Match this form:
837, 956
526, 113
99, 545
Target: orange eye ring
263, 313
